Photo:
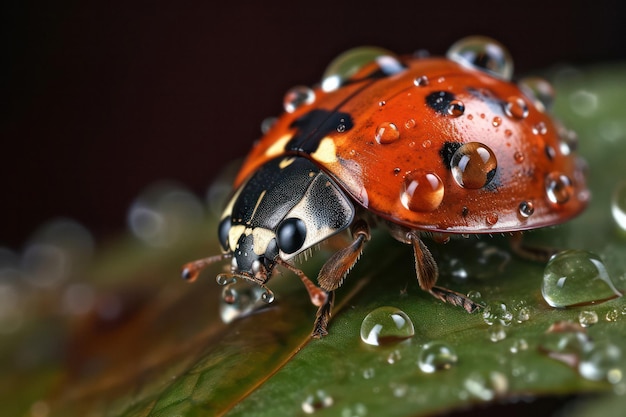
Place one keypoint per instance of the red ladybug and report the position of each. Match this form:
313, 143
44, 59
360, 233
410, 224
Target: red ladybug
410, 144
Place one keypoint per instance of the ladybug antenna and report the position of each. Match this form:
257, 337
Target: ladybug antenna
191, 270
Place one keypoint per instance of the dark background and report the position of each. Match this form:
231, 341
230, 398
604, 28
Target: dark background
100, 101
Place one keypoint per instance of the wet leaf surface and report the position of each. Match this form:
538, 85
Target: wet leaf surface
151, 345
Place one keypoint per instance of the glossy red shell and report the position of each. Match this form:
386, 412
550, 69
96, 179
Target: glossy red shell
397, 156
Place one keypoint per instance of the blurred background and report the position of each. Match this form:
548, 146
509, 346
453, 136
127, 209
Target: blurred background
101, 101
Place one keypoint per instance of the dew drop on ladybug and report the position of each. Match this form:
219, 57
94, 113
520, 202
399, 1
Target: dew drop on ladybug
526, 209
297, 97
540, 129
483, 53
421, 191
516, 108
473, 165
387, 132
456, 108
421, 81
558, 188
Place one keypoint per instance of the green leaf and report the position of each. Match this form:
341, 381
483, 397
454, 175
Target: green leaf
154, 346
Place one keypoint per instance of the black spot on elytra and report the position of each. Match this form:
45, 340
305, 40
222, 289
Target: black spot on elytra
313, 126
447, 150
439, 101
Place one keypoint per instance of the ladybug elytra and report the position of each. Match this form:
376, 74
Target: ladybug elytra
416, 145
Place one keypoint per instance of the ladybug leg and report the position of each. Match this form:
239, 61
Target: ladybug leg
317, 295
533, 253
319, 298
427, 274
323, 316
337, 267
334, 271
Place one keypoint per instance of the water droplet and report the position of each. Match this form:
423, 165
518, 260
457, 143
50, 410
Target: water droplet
516, 107
475, 296
576, 277
583, 102
399, 390
497, 333
518, 345
569, 140
317, 401
482, 53
421, 81
394, 357
565, 342
612, 315
521, 311
297, 97
519, 157
602, 363
421, 191
58, 251
540, 129
618, 205
486, 387
491, 219
508, 133
267, 296
369, 373
497, 121
473, 165
587, 318
526, 209
386, 325
350, 62
539, 91
456, 108
497, 312
382, 103
239, 300
267, 124
478, 260
163, 214
355, 410
409, 124
559, 188
387, 132
436, 356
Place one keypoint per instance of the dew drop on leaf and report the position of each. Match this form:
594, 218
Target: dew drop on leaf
576, 277
386, 325
602, 363
436, 356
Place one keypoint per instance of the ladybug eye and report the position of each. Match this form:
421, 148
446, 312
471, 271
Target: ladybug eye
291, 234
349, 63
484, 54
222, 232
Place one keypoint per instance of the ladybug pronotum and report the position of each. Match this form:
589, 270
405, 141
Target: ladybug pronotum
416, 145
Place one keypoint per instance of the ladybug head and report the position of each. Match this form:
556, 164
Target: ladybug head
254, 253
257, 249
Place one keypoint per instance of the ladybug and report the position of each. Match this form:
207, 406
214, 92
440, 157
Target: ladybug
420, 146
